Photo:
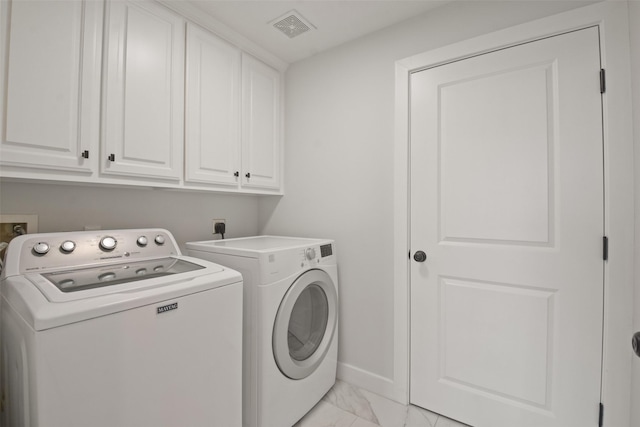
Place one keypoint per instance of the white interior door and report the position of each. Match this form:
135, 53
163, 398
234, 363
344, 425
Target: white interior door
507, 204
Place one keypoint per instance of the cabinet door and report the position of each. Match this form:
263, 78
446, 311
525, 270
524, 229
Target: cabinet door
143, 101
261, 145
51, 83
212, 132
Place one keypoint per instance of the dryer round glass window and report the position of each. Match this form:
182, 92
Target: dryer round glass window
308, 322
305, 324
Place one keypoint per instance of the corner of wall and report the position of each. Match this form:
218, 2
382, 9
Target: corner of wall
369, 381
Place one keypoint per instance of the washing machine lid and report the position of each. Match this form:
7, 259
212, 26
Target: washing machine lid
44, 306
80, 283
97, 277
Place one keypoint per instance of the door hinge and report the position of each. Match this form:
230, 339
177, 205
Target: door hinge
603, 81
601, 415
605, 248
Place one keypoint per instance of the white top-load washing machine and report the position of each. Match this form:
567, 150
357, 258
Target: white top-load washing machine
117, 328
290, 322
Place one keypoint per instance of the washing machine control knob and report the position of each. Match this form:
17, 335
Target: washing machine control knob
310, 253
142, 241
159, 239
41, 248
68, 246
108, 243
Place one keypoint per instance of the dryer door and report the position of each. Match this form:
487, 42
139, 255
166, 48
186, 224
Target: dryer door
305, 324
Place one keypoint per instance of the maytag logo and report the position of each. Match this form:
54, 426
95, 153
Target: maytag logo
166, 308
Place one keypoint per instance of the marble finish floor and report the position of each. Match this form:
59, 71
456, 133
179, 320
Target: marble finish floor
348, 406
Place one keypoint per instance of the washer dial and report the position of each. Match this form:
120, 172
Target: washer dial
68, 246
41, 248
108, 243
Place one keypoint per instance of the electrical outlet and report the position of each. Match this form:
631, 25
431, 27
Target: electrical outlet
216, 221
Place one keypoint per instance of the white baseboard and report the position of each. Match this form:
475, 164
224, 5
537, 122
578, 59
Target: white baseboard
369, 381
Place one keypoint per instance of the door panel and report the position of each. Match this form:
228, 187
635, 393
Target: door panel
507, 202
494, 313
484, 197
212, 130
143, 101
261, 125
51, 82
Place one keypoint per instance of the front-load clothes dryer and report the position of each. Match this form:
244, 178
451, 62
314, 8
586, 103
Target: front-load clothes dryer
290, 322
117, 328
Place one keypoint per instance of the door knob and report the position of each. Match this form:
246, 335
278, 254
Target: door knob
420, 256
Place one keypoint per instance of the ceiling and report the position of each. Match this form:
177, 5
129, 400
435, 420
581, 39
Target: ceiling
335, 21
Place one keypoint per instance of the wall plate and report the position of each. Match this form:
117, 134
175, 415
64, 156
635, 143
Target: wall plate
29, 223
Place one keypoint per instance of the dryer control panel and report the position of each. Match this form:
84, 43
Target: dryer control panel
326, 250
49, 251
314, 255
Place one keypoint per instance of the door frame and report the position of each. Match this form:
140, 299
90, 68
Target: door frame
612, 20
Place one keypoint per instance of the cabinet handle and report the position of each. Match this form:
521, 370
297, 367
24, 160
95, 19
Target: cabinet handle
85, 154
248, 175
112, 157
236, 174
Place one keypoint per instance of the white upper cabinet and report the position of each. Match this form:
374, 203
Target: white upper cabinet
143, 97
261, 125
232, 116
212, 119
51, 84
131, 92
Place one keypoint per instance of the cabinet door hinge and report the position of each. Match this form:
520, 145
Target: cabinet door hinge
603, 81
601, 415
605, 248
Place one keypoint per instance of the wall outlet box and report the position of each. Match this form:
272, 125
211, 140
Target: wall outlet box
217, 221
17, 224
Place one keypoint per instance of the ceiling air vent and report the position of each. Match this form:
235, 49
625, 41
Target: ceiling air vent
292, 24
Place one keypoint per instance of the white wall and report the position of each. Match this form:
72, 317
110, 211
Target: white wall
339, 165
188, 215
634, 26
339, 175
